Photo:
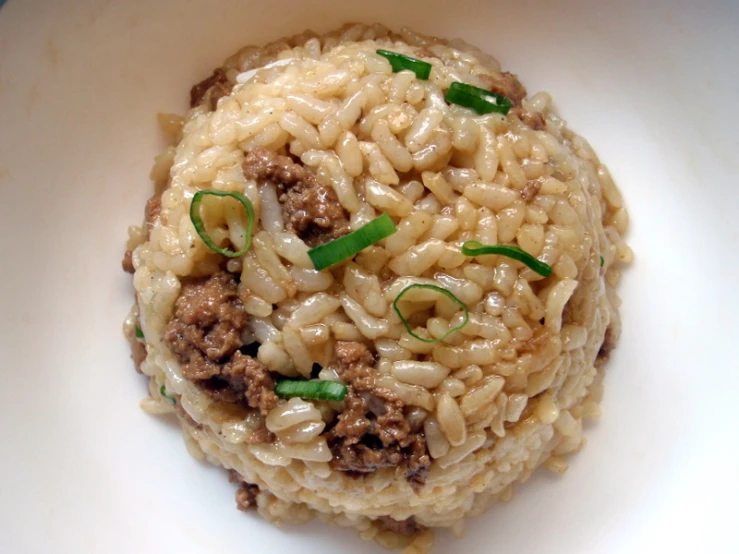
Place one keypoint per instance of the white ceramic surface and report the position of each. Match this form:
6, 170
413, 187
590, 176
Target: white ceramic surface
654, 87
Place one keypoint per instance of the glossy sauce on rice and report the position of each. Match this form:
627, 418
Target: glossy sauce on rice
323, 139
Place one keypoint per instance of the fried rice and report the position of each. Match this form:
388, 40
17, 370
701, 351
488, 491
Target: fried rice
323, 137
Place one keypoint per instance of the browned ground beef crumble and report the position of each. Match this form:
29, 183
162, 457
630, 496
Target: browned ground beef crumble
246, 494
311, 210
372, 432
205, 336
211, 89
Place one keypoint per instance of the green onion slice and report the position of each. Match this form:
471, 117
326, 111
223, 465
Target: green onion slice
478, 99
311, 390
474, 248
163, 392
441, 290
139, 333
349, 245
200, 227
399, 62
602, 261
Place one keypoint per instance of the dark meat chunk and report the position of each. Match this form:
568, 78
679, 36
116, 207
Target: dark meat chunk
372, 432
530, 190
506, 85
354, 365
211, 89
609, 343
405, 527
311, 210
510, 87
369, 455
205, 335
127, 262
418, 460
534, 120
360, 458
246, 495
243, 377
207, 324
352, 424
392, 427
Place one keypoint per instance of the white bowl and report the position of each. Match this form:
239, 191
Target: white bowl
653, 86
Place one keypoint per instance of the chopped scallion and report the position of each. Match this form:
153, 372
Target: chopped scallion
602, 261
310, 390
163, 392
139, 333
399, 62
478, 99
200, 226
349, 245
441, 290
473, 248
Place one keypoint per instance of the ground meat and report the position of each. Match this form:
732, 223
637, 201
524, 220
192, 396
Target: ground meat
392, 427
354, 365
127, 262
211, 89
353, 423
246, 495
311, 210
609, 343
375, 444
243, 377
372, 431
360, 458
369, 455
418, 460
534, 120
405, 527
506, 85
205, 335
207, 324
530, 191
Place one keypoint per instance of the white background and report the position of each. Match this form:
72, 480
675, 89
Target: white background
654, 87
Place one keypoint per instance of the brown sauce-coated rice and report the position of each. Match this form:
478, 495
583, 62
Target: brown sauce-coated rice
494, 401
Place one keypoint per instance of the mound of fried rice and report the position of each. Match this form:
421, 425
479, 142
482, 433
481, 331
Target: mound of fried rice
323, 137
